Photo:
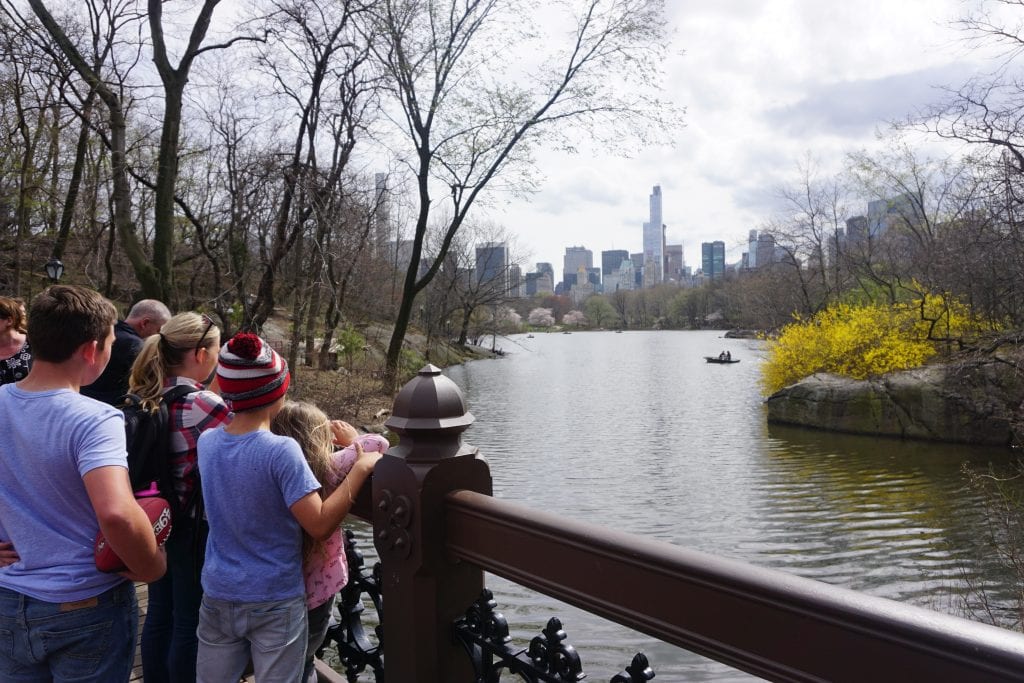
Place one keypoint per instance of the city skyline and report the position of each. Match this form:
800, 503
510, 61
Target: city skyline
764, 84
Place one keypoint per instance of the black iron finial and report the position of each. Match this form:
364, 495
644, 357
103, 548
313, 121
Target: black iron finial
638, 671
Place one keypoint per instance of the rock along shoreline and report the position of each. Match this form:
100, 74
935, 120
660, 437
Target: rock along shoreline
971, 400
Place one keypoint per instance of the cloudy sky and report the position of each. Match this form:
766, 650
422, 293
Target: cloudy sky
764, 83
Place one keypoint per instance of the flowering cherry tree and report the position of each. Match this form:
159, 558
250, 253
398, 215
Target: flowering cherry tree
575, 318
541, 317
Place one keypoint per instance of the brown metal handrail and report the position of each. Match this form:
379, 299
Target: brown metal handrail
769, 623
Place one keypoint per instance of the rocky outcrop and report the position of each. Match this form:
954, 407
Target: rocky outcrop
975, 401
737, 333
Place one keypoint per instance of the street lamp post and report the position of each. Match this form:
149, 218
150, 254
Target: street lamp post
54, 269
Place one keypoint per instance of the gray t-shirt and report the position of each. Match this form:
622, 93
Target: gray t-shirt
49, 440
250, 482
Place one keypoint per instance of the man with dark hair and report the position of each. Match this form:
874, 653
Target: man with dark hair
63, 478
144, 319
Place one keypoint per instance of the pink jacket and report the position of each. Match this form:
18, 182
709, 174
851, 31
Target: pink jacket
326, 571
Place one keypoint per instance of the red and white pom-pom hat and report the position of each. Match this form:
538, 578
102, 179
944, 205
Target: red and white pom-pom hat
250, 373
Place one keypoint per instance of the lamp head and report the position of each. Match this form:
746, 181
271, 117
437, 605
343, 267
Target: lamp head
54, 269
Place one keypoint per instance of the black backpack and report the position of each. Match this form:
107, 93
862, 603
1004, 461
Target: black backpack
147, 434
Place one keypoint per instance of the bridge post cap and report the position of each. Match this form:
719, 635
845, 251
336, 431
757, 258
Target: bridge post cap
429, 401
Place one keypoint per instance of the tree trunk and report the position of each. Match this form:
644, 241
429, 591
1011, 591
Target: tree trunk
398, 338
174, 81
298, 303
166, 181
309, 325
74, 184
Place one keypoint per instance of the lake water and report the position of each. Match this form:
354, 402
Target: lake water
637, 432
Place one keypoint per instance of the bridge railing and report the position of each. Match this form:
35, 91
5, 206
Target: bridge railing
437, 529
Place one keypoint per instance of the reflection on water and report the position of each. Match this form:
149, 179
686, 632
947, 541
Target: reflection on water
635, 431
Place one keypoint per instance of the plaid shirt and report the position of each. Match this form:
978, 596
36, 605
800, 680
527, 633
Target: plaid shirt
190, 417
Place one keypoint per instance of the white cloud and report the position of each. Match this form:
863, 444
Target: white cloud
763, 83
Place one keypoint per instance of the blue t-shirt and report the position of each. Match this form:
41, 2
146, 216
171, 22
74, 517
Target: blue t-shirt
250, 481
48, 441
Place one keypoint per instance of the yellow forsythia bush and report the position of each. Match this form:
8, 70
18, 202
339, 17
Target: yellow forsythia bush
865, 340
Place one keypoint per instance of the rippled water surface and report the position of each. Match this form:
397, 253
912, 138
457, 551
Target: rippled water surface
635, 431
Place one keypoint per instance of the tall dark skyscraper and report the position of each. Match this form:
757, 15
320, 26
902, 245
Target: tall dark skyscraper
713, 258
492, 263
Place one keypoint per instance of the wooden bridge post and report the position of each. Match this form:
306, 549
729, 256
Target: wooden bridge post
424, 590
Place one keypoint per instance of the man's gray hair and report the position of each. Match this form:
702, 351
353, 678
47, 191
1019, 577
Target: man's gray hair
149, 308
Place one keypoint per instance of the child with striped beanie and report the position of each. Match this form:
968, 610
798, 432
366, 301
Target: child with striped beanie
260, 495
251, 374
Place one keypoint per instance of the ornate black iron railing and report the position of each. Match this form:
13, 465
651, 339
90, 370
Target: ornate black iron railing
356, 651
549, 658
483, 632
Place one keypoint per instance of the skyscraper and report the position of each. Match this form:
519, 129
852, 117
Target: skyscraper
515, 281
713, 258
537, 283
674, 263
571, 262
611, 260
765, 250
622, 278
654, 242
492, 264
637, 260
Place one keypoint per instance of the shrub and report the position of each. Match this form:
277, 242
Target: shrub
410, 362
351, 343
867, 340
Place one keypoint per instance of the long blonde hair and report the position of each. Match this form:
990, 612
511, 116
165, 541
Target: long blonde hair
163, 352
311, 427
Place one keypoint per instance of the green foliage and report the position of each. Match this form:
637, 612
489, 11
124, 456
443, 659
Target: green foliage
351, 342
600, 312
236, 317
862, 341
410, 362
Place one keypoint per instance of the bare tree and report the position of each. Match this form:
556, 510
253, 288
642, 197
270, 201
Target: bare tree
32, 92
316, 50
984, 114
466, 122
810, 231
928, 211
474, 275
107, 18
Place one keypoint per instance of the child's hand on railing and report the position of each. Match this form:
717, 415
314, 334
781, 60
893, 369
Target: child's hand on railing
366, 459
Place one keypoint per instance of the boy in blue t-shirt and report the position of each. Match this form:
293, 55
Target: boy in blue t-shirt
260, 495
63, 477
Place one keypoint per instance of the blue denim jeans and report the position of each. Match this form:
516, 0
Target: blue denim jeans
272, 633
319, 619
169, 642
88, 640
